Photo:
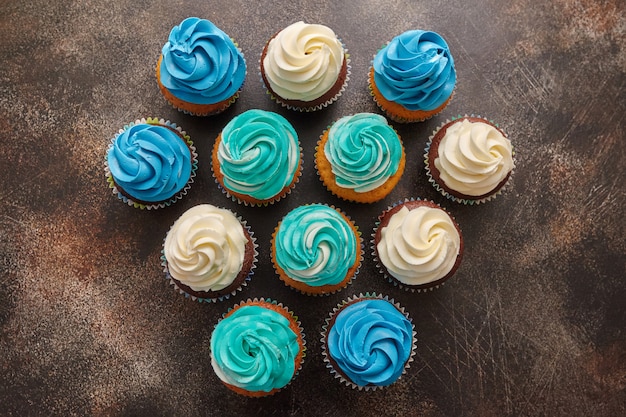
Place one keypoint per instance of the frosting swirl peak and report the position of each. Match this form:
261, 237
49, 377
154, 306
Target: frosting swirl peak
415, 70
201, 64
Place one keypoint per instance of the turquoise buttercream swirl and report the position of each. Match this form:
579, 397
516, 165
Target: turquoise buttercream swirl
259, 154
363, 150
370, 341
315, 245
149, 162
201, 64
415, 70
254, 349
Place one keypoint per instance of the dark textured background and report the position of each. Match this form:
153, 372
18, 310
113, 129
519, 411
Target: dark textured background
532, 324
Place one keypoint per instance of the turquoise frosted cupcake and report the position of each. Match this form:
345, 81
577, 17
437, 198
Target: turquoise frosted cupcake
368, 341
257, 159
257, 348
200, 70
316, 249
150, 163
413, 77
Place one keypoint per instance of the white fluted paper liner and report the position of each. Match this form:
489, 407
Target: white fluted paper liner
223, 297
290, 315
155, 205
440, 189
275, 199
326, 327
381, 268
352, 278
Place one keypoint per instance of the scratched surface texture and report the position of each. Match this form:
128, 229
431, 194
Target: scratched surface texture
533, 323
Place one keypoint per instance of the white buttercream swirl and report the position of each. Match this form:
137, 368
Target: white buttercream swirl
205, 248
474, 157
419, 246
303, 61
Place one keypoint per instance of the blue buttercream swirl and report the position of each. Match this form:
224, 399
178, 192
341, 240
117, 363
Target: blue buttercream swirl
370, 341
149, 162
201, 64
363, 150
415, 70
255, 349
315, 245
259, 154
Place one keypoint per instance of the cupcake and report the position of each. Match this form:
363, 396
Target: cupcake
469, 159
417, 245
209, 253
412, 78
316, 249
360, 158
150, 163
200, 70
257, 348
257, 158
305, 67
368, 342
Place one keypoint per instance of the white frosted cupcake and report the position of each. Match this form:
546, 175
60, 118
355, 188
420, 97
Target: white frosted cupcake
305, 67
417, 245
469, 159
209, 253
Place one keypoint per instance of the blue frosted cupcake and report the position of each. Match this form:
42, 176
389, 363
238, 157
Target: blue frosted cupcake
316, 249
368, 341
412, 78
257, 159
150, 163
257, 348
200, 70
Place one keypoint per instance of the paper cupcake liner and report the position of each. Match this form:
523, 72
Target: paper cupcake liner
426, 287
221, 297
326, 327
445, 193
269, 202
293, 318
317, 107
348, 282
127, 199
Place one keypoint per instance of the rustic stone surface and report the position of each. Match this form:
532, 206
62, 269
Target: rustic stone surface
532, 324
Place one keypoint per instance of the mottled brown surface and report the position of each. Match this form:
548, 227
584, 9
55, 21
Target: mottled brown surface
533, 323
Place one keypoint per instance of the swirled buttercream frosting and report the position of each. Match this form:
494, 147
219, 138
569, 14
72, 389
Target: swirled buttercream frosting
205, 248
303, 61
364, 151
370, 341
200, 63
258, 154
415, 70
149, 162
474, 157
255, 349
420, 245
314, 244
